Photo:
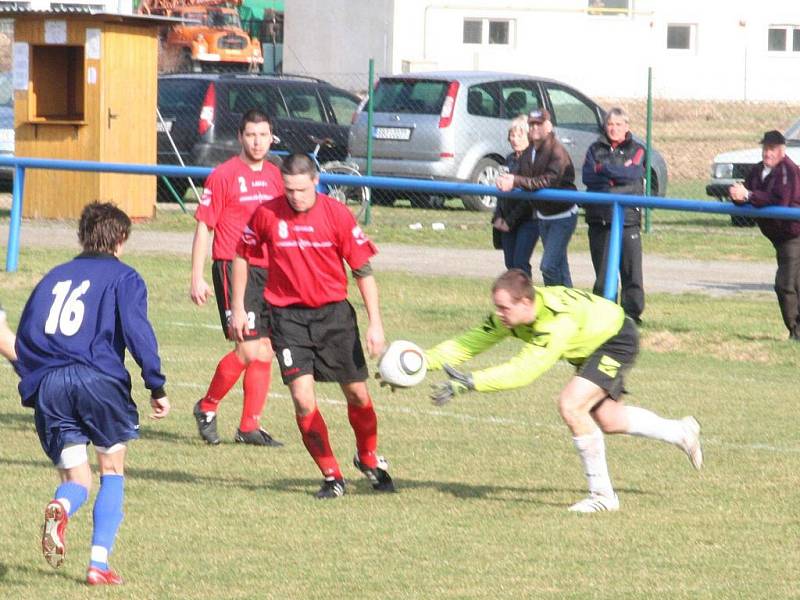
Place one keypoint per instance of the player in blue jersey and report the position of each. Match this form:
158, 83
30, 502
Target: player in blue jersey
71, 345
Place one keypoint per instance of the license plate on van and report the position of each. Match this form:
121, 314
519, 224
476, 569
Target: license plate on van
164, 127
392, 133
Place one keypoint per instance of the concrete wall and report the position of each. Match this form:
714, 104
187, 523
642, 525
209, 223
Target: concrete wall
334, 39
603, 55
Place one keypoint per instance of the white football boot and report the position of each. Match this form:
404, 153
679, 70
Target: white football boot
691, 442
596, 503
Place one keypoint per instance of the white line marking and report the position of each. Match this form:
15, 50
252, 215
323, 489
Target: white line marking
493, 420
205, 325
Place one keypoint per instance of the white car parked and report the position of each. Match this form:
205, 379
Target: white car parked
730, 167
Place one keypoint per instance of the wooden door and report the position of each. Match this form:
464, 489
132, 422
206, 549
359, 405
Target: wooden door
127, 75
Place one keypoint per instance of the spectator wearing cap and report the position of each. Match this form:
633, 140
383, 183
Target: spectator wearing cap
515, 227
775, 181
615, 164
546, 164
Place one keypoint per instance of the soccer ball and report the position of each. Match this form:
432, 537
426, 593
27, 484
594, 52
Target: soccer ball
403, 364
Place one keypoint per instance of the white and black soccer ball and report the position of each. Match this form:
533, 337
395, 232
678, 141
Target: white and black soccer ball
403, 364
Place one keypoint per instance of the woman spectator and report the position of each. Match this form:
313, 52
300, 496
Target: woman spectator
515, 226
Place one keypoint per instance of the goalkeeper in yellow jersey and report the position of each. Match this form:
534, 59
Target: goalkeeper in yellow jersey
591, 333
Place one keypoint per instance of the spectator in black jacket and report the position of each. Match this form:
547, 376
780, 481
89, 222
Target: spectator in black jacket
615, 164
546, 164
515, 226
775, 181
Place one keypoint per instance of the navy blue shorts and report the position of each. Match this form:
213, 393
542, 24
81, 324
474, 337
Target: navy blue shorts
78, 405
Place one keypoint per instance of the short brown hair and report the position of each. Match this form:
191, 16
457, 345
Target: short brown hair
516, 282
299, 164
254, 115
103, 227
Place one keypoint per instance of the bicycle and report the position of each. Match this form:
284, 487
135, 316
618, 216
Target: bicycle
357, 197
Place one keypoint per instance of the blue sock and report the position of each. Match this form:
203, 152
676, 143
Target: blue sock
74, 493
107, 515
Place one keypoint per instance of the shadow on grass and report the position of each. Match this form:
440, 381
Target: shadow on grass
24, 422
17, 421
462, 491
7, 570
732, 287
355, 486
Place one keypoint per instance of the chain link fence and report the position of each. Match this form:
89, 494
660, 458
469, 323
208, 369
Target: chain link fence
409, 139
199, 125
690, 133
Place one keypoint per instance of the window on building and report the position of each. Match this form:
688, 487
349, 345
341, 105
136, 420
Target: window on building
783, 38
488, 31
776, 41
57, 82
473, 31
680, 37
611, 8
498, 32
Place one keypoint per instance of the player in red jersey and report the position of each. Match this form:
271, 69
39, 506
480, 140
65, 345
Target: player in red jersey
232, 193
307, 236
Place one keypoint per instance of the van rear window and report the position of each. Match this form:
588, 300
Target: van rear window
177, 97
419, 96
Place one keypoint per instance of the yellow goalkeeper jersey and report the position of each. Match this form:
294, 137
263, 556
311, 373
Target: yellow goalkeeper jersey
569, 324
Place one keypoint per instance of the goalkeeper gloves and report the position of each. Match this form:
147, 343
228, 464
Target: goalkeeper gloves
458, 384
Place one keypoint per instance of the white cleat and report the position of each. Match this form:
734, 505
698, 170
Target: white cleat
596, 503
691, 442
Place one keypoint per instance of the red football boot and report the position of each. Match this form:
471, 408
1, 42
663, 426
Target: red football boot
54, 534
95, 576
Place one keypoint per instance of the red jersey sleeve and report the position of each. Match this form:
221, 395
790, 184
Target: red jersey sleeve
212, 201
252, 244
356, 247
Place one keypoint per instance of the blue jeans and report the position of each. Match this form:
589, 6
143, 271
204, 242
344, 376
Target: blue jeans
556, 234
518, 245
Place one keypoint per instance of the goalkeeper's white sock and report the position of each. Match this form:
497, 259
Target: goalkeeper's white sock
592, 450
646, 423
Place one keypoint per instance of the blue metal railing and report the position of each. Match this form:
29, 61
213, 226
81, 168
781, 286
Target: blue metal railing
617, 201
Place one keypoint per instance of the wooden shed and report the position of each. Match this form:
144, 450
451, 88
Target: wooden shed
86, 89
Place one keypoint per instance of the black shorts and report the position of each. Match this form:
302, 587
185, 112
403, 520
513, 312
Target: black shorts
254, 303
323, 342
608, 365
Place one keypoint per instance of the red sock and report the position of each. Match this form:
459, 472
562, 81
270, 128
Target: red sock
315, 437
257, 376
227, 373
364, 422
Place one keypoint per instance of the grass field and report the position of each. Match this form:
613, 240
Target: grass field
483, 482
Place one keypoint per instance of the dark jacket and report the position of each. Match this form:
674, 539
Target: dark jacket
605, 171
513, 212
551, 167
780, 188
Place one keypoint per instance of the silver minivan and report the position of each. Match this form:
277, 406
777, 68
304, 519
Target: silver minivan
453, 126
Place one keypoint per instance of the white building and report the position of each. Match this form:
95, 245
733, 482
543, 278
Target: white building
714, 49
124, 7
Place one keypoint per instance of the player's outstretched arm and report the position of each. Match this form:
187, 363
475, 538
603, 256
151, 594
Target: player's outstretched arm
160, 407
459, 383
137, 331
238, 323
199, 291
376, 341
7, 339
